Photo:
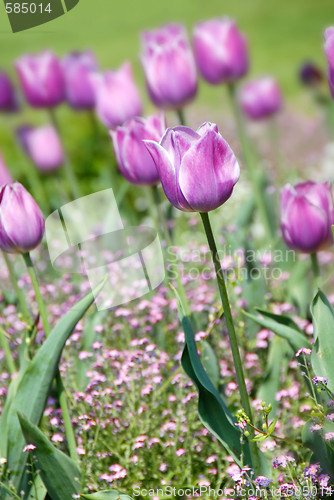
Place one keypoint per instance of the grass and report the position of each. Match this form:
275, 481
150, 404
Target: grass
281, 34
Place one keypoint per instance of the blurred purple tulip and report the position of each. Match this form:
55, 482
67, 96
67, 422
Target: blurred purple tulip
198, 170
78, 67
261, 98
134, 161
169, 66
307, 215
41, 79
5, 177
8, 98
329, 51
221, 51
310, 74
43, 146
21, 220
117, 96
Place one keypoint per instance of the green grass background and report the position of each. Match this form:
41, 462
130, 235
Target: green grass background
281, 33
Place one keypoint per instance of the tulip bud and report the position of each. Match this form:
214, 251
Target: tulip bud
221, 51
78, 67
261, 98
5, 177
8, 100
41, 79
43, 146
198, 170
169, 66
21, 220
329, 51
307, 215
310, 75
134, 161
116, 95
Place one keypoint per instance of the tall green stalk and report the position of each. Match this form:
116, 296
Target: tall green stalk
250, 161
231, 333
61, 391
17, 289
8, 355
315, 265
181, 117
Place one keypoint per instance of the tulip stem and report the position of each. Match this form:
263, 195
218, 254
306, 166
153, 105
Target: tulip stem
7, 351
61, 391
17, 289
315, 264
69, 172
250, 161
231, 333
181, 117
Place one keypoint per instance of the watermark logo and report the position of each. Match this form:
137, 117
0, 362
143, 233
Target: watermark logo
25, 14
87, 236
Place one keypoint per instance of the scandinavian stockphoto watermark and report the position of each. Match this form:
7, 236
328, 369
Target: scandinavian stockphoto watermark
87, 236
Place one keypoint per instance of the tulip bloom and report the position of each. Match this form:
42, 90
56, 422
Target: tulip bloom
198, 170
329, 51
8, 100
43, 146
21, 220
5, 177
41, 79
78, 67
261, 98
307, 215
134, 161
169, 66
221, 51
117, 96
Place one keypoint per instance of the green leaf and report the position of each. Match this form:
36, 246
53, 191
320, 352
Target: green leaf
211, 408
272, 426
277, 362
59, 473
321, 452
36, 381
210, 363
107, 495
323, 329
38, 490
283, 326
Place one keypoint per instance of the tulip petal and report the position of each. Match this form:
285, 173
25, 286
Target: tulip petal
208, 172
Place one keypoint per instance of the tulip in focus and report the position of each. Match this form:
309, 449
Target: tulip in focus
307, 215
78, 67
43, 146
198, 170
117, 96
169, 66
329, 51
21, 220
8, 100
221, 51
41, 79
5, 177
261, 98
134, 161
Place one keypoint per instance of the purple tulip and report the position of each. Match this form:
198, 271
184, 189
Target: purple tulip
198, 170
310, 74
307, 215
21, 220
78, 67
169, 66
261, 98
5, 177
41, 79
117, 96
43, 146
329, 51
8, 99
134, 161
221, 50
